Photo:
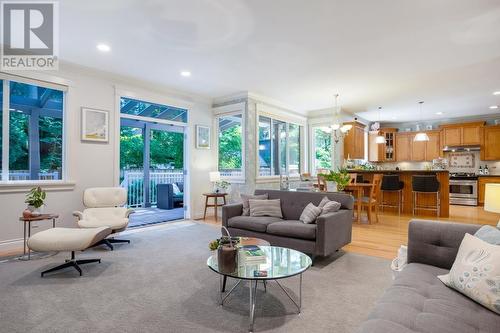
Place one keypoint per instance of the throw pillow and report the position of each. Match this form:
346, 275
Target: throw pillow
489, 234
310, 213
246, 197
265, 208
176, 189
331, 207
476, 272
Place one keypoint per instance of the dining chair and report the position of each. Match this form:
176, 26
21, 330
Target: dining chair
371, 201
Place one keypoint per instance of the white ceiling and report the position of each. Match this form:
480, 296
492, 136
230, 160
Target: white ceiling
391, 53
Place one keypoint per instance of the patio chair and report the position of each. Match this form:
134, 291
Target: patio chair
167, 198
104, 208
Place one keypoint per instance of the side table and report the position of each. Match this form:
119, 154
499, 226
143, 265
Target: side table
216, 197
28, 220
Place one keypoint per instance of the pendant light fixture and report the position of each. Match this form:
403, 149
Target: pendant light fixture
421, 136
380, 138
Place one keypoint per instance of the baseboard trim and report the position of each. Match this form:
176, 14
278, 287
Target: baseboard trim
11, 244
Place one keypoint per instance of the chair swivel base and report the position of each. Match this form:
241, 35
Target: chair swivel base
110, 241
72, 263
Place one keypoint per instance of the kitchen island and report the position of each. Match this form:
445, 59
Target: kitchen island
423, 199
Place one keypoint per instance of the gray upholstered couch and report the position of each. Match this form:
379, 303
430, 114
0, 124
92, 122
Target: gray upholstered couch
330, 232
418, 301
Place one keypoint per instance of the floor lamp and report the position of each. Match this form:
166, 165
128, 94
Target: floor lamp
492, 199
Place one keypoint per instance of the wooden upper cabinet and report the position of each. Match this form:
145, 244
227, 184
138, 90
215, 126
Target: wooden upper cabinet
465, 134
417, 149
403, 147
354, 141
432, 147
490, 146
452, 136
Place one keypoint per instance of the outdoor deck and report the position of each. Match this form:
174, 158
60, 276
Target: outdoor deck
147, 216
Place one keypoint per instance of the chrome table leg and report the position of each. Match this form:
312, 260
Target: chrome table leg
253, 296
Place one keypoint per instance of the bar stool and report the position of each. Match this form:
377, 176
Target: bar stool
425, 184
391, 183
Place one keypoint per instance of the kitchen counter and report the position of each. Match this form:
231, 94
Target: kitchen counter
428, 199
488, 175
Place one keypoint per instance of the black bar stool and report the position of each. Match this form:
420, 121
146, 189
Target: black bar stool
425, 184
391, 183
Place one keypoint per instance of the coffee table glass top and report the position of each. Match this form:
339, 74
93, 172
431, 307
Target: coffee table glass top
278, 263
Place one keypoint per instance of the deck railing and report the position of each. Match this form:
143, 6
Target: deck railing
26, 175
133, 181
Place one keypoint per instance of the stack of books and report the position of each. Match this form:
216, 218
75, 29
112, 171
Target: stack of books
252, 255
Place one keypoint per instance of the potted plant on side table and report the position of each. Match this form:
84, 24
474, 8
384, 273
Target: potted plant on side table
35, 200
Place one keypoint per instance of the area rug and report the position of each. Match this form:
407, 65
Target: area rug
160, 283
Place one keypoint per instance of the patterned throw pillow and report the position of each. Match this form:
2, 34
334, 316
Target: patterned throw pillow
310, 213
265, 208
246, 197
329, 206
476, 272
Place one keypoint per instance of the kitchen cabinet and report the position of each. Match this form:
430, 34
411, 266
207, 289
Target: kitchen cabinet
354, 141
403, 147
382, 152
481, 187
464, 134
490, 145
417, 151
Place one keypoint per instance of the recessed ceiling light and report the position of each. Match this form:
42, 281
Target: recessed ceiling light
493, 107
103, 47
439, 113
186, 73
496, 93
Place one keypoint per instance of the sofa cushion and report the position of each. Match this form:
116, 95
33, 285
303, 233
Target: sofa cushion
246, 205
252, 223
418, 302
294, 229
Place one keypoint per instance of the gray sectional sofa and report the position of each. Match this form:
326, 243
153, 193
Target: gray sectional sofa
418, 301
330, 232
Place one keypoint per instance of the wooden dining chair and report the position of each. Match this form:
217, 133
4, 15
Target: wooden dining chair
371, 201
322, 184
352, 181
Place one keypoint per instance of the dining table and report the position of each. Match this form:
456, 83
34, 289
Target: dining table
358, 190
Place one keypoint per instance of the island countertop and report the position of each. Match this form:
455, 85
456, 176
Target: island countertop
428, 199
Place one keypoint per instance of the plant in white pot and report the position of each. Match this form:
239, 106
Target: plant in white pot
35, 200
331, 185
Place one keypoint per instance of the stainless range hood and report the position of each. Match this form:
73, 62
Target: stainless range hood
461, 148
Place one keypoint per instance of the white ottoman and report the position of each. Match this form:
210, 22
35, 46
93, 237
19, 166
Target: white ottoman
68, 239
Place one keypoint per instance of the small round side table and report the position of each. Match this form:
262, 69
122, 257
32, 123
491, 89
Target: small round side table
28, 220
215, 197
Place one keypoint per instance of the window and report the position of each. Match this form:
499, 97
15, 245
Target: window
35, 127
135, 107
230, 145
322, 148
279, 147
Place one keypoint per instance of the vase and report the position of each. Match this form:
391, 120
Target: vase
35, 211
331, 186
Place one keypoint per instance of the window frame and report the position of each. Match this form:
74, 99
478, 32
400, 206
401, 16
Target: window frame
287, 121
7, 185
231, 110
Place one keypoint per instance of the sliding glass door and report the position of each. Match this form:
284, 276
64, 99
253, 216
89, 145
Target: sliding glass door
150, 154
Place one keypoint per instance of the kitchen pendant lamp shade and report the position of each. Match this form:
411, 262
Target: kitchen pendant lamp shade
380, 139
422, 136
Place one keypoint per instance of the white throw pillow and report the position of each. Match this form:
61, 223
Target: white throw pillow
265, 208
176, 189
310, 213
476, 272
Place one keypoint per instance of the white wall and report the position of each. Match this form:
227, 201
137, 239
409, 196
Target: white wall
91, 164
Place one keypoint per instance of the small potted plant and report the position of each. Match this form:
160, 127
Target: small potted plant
35, 200
342, 178
331, 185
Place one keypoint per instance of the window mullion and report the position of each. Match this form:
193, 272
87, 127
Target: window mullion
34, 144
5, 131
287, 149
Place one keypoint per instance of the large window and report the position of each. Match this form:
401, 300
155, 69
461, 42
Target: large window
35, 132
230, 131
322, 148
279, 147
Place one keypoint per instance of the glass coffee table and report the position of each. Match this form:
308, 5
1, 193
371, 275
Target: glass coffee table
280, 263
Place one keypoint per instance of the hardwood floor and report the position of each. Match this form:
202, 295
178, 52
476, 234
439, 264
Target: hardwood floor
383, 239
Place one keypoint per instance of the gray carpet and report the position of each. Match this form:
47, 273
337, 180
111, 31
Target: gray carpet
160, 283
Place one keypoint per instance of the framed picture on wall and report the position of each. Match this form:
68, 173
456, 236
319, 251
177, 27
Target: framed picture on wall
95, 125
202, 137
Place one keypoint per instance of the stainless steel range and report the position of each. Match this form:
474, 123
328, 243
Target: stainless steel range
463, 189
